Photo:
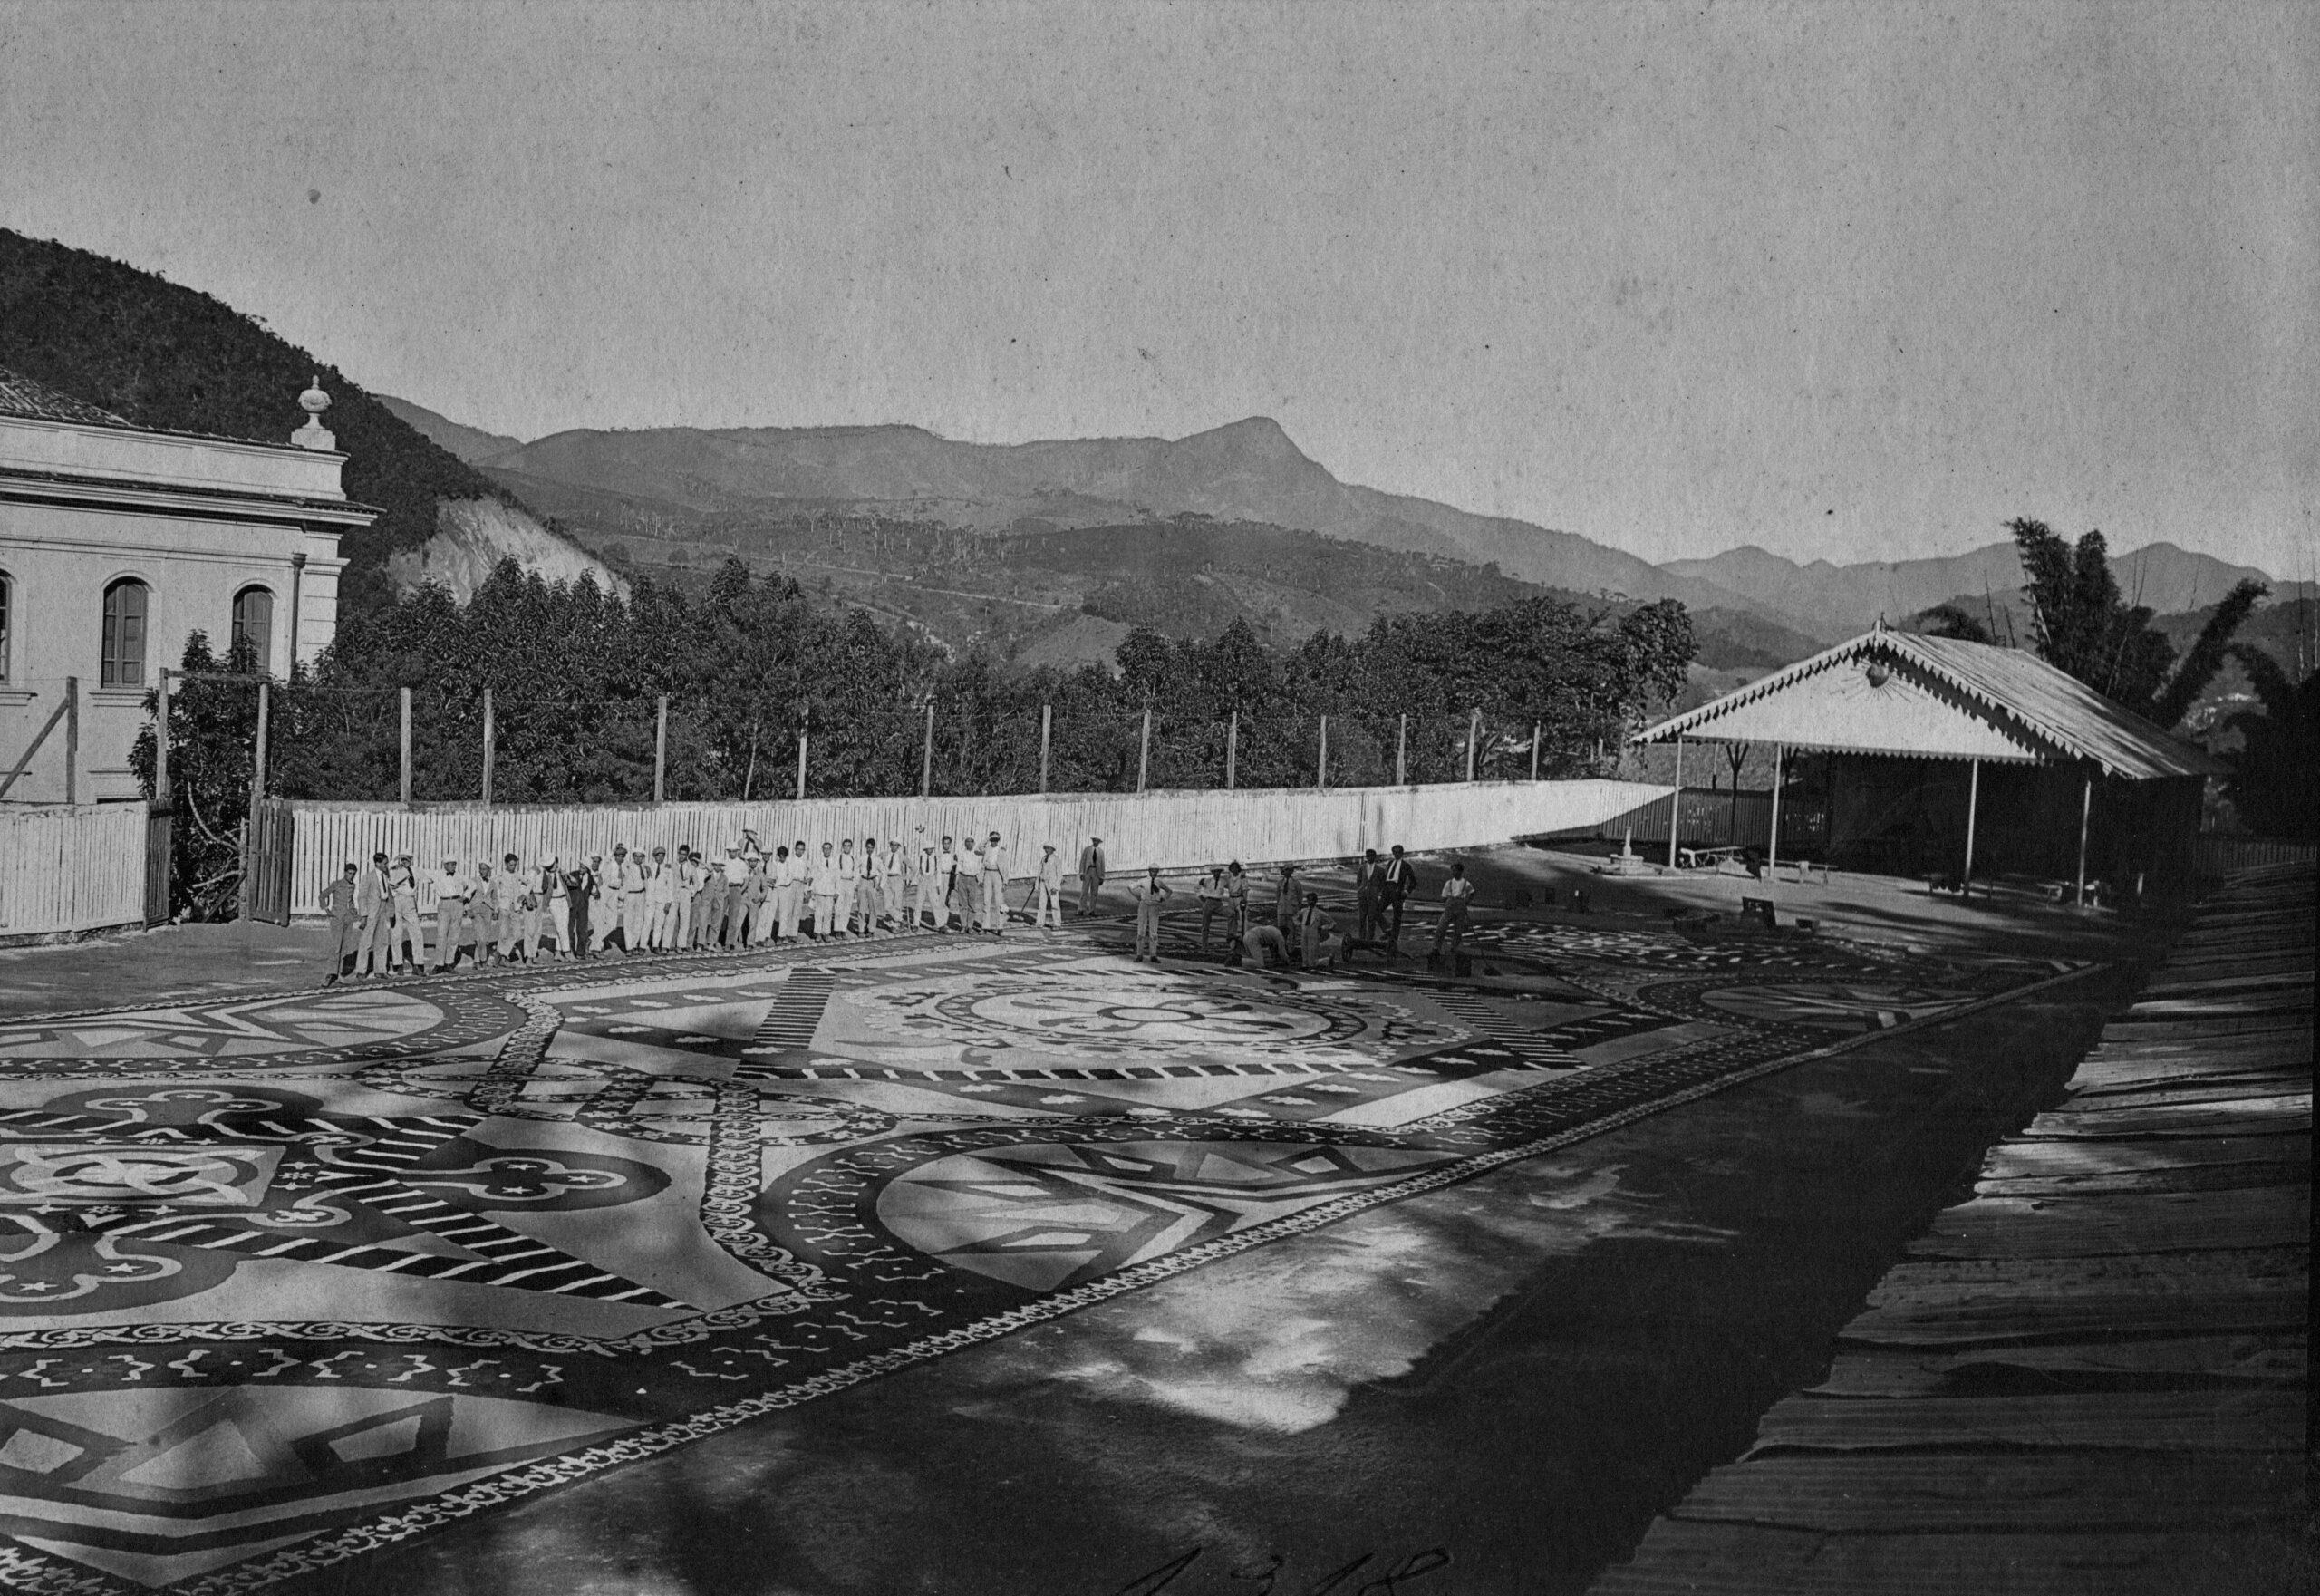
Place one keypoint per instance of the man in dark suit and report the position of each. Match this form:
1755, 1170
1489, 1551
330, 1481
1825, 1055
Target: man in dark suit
1091, 874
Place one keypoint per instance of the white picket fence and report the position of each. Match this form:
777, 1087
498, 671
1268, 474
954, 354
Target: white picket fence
1176, 830
67, 868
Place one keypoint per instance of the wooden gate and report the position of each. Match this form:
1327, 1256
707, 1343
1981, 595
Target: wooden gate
156, 865
272, 832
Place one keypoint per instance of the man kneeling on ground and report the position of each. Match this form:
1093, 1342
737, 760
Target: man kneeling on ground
1261, 945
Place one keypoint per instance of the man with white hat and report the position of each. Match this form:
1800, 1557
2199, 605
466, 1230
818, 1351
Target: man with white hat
407, 936
635, 885
895, 891
932, 884
483, 915
737, 877
1046, 892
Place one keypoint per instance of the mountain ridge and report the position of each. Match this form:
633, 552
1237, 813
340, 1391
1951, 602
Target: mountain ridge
1843, 599
1248, 469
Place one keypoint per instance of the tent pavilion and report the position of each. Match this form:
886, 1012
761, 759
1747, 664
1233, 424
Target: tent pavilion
1926, 747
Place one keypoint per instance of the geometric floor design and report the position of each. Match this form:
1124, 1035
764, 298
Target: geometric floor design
286, 1279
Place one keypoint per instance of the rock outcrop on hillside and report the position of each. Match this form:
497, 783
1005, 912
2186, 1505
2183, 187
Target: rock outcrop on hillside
472, 535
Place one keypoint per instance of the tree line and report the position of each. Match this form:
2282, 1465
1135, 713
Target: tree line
578, 675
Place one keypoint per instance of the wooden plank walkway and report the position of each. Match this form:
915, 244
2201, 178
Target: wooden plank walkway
2092, 1375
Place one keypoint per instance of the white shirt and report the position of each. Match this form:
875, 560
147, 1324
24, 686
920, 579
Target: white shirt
785, 871
737, 871
945, 865
970, 864
1052, 870
1458, 890
849, 868
1148, 891
825, 875
994, 861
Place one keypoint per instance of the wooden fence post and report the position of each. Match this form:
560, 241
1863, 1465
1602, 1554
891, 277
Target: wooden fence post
1474, 740
490, 745
927, 755
258, 755
72, 740
1232, 749
1402, 754
161, 796
1144, 751
1536, 728
660, 753
406, 745
1046, 728
1321, 769
802, 724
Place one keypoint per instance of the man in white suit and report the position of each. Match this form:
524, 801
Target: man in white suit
823, 890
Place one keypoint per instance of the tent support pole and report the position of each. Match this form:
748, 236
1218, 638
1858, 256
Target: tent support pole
2085, 819
1973, 812
1675, 804
1772, 856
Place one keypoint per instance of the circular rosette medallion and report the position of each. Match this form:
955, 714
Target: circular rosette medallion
1098, 1009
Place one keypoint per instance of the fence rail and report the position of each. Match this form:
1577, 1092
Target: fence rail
1711, 818
1176, 830
71, 867
2220, 855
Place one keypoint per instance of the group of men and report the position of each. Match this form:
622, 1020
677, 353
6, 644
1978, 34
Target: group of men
1382, 891
392, 917
728, 897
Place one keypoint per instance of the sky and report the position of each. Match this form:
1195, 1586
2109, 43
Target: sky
1848, 282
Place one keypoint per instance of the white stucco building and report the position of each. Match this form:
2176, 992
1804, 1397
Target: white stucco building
117, 544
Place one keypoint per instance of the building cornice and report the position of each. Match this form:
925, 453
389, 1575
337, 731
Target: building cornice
180, 502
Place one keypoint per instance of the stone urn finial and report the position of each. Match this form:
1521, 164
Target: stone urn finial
314, 401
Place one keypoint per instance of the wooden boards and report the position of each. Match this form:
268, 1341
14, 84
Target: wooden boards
2092, 1376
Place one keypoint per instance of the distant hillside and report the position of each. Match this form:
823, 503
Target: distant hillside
1837, 601
471, 444
1058, 595
171, 357
1247, 472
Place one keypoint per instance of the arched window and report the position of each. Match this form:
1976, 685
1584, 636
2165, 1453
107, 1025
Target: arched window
254, 622
7, 613
124, 655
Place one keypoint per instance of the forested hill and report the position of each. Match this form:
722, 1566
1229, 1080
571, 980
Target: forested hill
171, 357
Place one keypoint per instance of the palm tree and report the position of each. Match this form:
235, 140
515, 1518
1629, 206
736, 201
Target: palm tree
2086, 627
2271, 775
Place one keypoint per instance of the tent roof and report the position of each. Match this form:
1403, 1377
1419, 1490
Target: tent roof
1940, 699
